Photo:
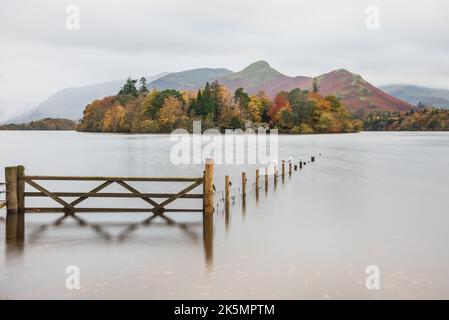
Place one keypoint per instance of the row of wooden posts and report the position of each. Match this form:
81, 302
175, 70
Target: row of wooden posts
16, 195
244, 180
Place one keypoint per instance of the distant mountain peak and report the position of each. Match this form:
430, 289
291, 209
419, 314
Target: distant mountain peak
261, 64
342, 70
257, 76
261, 68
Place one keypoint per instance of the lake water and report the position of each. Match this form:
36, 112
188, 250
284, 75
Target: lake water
370, 199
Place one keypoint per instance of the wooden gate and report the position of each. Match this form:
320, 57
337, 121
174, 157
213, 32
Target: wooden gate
16, 179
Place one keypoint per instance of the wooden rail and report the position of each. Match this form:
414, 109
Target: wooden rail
122, 181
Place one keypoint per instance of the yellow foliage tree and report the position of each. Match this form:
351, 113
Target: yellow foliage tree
112, 119
255, 109
171, 112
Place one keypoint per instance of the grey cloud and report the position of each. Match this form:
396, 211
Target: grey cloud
120, 38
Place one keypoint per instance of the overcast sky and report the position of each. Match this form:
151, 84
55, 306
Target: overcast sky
39, 55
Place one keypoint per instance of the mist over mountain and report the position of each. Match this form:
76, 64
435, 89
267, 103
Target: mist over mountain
415, 95
69, 103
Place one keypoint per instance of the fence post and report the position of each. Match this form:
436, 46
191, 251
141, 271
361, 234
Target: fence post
244, 184
12, 201
15, 213
208, 196
289, 168
227, 183
312, 159
21, 189
283, 170
257, 179
300, 164
275, 173
266, 179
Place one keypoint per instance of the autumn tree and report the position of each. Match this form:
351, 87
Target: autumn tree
112, 119
171, 112
255, 109
241, 98
335, 103
266, 105
154, 101
280, 101
295, 111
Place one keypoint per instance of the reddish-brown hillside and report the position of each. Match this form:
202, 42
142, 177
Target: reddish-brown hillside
356, 93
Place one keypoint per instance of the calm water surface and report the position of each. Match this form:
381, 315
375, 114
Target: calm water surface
370, 199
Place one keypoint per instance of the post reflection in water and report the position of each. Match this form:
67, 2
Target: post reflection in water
227, 217
15, 233
208, 240
244, 206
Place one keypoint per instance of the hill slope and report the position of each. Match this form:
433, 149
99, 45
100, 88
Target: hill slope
415, 94
356, 93
189, 79
255, 77
70, 103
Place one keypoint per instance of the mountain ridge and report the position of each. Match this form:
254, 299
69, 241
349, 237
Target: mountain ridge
435, 97
69, 103
355, 92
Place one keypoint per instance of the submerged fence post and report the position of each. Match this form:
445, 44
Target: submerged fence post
244, 184
266, 179
257, 179
12, 201
300, 164
227, 183
15, 203
21, 202
21, 189
283, 170
257, 184
208, 196
275, 173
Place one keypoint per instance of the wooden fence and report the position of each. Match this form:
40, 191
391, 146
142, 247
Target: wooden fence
16, 195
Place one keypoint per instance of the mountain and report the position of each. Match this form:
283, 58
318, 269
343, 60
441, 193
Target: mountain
260, 76
70, 103
189, 79
356, 93
415, 94
257, 76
